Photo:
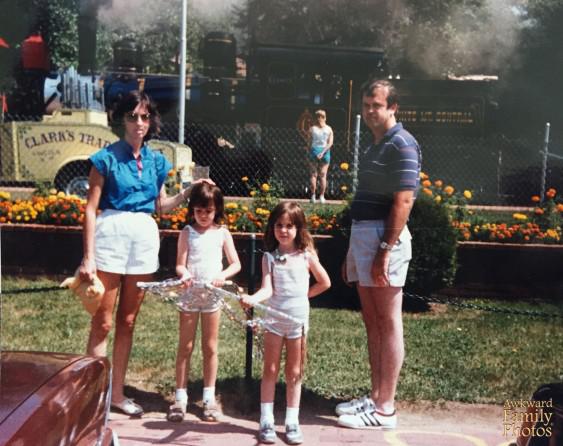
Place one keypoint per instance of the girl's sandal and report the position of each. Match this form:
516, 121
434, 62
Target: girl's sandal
211, 412
176, 413
128, 407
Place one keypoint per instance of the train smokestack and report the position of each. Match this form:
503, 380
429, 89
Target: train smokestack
87, 29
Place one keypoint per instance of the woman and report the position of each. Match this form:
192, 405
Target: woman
320, 142
121, 244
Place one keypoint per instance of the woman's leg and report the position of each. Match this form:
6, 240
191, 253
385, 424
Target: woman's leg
313, 180
186, 339
209, 342
323, 169
130, 300
101, 322
293, 370
273, 345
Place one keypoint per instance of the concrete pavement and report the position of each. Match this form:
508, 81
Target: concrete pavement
450, 424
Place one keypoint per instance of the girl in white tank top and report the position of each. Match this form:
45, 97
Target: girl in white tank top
286, 269
199, 261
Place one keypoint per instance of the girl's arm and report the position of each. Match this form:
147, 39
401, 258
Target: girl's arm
309, 139
321, 276
329, 142
182, 255
330, 139
266, 289
232, 258
96, 184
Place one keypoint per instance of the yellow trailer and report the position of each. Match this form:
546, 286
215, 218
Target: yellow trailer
56, 150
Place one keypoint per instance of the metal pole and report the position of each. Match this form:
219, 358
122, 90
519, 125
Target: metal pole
356, 154
250, 313
545, 153
182, 75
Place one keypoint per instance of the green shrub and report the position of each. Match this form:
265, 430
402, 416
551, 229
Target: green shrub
434, 262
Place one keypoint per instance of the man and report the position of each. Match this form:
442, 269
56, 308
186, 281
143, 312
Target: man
380, 250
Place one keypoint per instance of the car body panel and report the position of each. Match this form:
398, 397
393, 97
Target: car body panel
54, 399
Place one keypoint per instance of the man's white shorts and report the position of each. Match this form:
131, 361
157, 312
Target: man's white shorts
364, 243
126, 242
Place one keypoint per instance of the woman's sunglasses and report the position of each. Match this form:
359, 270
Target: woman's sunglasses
133, 117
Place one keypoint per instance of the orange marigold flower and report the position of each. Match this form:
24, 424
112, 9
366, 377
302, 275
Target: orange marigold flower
538, 211
560, 207
438, 183
427, 183
423, 176
449, 190
427, 191
536, 198
551, 192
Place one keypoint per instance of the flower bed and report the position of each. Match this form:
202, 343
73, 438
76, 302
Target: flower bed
542, 224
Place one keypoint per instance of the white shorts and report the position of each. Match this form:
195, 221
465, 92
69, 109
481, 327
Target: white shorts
287, 328
364, 243
126, 242
198, 300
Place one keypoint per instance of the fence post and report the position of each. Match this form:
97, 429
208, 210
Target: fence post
356, 154
545, 154
250, 312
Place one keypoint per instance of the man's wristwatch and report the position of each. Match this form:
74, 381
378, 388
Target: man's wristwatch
385, 246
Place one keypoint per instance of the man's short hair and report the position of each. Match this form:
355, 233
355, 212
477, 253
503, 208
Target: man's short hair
320, 114
370, 85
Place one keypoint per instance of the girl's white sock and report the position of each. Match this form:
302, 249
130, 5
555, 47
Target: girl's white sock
209, 395
266, 413
291, 415
182, 395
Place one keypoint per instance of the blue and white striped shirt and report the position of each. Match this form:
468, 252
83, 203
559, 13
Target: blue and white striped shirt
391, 166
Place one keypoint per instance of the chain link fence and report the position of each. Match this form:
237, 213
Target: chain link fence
499, 170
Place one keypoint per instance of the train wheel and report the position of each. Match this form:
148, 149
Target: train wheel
72, 179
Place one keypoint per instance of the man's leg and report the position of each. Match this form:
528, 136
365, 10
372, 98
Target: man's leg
367, 300
389, 324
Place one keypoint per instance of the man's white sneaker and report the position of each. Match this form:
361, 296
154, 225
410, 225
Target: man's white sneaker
369, 419
322, 199
313, 199
352, 407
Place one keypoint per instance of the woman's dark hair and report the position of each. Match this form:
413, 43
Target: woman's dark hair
303, 240
129, 103
204, 195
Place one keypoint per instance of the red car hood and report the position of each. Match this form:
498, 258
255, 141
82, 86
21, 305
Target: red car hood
22, 373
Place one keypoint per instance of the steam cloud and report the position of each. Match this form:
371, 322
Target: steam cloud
140, 14
481, 44
484, 44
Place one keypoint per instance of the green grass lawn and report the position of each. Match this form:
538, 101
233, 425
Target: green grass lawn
451, 354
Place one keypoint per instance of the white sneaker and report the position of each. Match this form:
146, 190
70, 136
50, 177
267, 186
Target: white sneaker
322, 199
313, 199
293, 434
267, 433
369, 418
352, 407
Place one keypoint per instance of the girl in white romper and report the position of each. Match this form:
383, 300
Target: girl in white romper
286, 268
200, 261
